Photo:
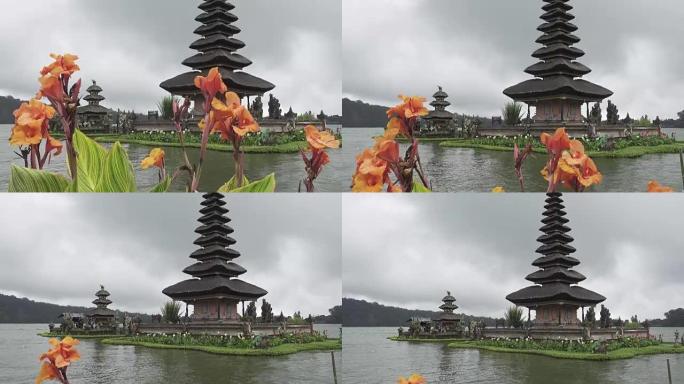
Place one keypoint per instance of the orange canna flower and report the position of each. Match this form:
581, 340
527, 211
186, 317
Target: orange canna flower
58, 358
54, 145
655, 187
31, 123
51, 87
371, 173
388, 150
498, 190
48, 372
155, 159
413, 379
244, 122
212, 84
411, 106
320, 139
556, 143
63, 65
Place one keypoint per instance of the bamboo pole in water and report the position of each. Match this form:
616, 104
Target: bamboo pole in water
332, 354
669, 373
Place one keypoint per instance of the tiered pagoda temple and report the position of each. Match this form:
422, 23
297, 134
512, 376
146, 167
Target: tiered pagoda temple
101, 316
556, 297
215, 290
557, 92
217, 47
439, 119
93, 116
447, 320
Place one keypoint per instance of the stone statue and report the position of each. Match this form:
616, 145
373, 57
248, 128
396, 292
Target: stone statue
676, 335
274, 110
290, 115
257, 108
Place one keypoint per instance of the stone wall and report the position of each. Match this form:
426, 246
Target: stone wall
223, 328
563, 333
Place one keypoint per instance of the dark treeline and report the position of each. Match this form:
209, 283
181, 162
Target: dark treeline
357, 114
8, 105
673, 318
14, 310
360, 313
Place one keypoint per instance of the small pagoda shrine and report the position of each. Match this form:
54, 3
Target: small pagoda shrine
214, 291
448, 321
93, 116
556, 297
102, 317
217, 48
440, 120
557, 92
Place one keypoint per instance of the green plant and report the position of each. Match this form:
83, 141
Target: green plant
165, 107
513, 114
514, 317
171, 312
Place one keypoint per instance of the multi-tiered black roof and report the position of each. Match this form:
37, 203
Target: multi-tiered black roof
557, 71
217, 48
102, 302
556, 281
215, 274
94, 99
448, 309
440, 105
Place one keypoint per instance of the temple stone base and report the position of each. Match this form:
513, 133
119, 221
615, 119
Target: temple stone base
223, 329
555, 316
559, 333
574, 130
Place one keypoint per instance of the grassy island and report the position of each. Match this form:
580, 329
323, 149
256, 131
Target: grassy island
233, 350
617, 350
288, 142
601, 147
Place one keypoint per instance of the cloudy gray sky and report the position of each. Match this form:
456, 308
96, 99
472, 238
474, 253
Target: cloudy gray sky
60, 248
475, 49
408, 250
130, 46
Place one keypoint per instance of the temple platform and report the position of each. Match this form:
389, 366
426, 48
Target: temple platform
222, 329
267, 125
610, 131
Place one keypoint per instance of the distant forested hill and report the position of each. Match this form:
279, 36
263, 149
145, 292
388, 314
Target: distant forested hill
8, 105
14, 310
360, 313
673, 318
357, 114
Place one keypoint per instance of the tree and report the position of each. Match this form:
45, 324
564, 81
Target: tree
681, 115
657, 122
336, 314
612, 113
596, 115
605, 317
514, 317
171, 312
628, 120
590, 317
266, 312
165, 107
281, 317
251, 314
257, 108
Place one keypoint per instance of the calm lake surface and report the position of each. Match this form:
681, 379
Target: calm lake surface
102, 364
372, 359
473, 170
289, 168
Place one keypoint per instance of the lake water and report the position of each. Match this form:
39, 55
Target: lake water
289, 168
474, 170
103, 364
370, 358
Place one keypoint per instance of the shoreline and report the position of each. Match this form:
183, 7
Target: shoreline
620, 354
410, 340
624, 153
82, 337
292, 147
281, 350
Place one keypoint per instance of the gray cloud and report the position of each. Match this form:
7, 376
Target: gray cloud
60, 248
476, 48
408, 251
131, 46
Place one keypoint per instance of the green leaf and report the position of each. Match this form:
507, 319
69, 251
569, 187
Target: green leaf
418, 187
163, 186
29, 180
91, 157
118, 175
265, 185
232, 184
